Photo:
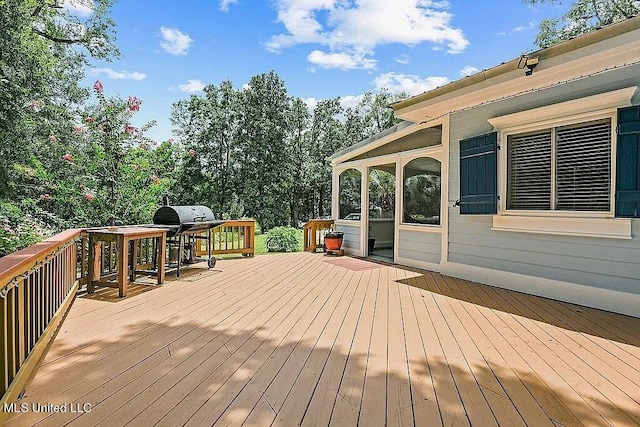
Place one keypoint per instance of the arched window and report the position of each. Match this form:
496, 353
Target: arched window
421, 192
350, 195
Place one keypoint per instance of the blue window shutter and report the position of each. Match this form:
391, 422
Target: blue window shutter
628, 163
478, 175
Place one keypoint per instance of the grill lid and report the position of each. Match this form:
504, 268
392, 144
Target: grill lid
180, 215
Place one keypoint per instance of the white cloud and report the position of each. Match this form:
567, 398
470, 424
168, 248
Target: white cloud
531, 25
118, 75
224, 4
407, 83
175, 41
348, 27
403, 59
311, 103
192, 86
82, 8
341, 60
468, 70
350, 101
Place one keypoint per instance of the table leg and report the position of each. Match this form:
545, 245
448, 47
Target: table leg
208, 247
91, 288
161, 246
123, 258
134, 259
179, 255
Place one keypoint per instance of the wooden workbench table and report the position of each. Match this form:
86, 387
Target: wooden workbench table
122, 236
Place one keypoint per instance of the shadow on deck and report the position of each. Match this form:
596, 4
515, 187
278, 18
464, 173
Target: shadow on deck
297, 340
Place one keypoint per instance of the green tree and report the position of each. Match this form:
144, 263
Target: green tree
208, 126
262, 143
112, 173
44, 50
582, 17
297, 139
375, 114
326, 137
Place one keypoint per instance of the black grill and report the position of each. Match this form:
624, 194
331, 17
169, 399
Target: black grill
180, 219
184, 224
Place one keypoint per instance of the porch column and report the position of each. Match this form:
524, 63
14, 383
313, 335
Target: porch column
364, 210
335, 192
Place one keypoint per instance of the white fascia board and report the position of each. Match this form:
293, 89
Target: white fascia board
604, 101
549, 72
382, 141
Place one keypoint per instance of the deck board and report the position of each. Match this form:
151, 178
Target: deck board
304, 339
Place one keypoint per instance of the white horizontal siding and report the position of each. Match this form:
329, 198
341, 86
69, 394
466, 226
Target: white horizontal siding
419, 246
603, 263
351, 239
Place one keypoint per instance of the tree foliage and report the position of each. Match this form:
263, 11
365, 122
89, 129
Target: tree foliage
69, 161
261, 153
582, 17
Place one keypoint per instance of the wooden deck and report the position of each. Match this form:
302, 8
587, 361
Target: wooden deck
312, 340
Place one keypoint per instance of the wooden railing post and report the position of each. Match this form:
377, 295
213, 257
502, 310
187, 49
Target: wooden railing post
312, 233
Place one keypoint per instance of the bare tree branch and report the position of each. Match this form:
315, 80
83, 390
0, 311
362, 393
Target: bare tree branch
57, 39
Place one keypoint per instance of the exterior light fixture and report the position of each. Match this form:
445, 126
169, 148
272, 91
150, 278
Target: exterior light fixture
528, 63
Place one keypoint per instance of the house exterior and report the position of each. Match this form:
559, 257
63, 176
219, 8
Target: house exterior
524, 176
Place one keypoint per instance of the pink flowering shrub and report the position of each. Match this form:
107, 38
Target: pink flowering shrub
36, 105
134, 103
116, 171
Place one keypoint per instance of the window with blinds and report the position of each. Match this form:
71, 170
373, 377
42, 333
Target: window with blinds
529, 171
564, 168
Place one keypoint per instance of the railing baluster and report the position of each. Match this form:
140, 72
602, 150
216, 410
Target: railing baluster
20, 323
34, 298
4, 354
35, 284
11, 336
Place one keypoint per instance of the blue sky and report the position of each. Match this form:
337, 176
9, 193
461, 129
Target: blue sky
320, 48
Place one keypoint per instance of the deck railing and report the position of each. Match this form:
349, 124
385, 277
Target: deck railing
314, 232
37, 286
232, 237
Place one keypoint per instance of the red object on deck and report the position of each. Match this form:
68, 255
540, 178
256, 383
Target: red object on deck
333, 241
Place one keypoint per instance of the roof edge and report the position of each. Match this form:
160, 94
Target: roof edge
590, 38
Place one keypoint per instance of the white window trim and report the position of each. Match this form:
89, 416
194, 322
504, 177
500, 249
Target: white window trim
336, 190
573, 223
405, 160
613, 228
